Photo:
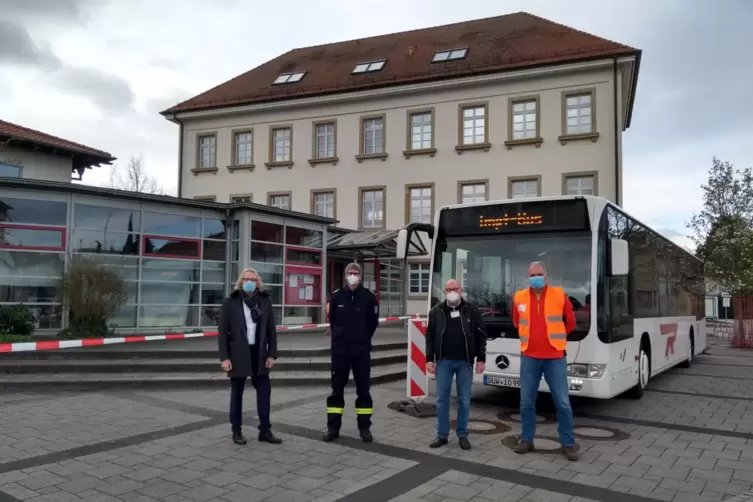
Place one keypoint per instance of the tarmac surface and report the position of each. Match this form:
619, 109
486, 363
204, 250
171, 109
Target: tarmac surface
689, 438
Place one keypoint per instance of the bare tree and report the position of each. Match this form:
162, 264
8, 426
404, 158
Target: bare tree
134, 178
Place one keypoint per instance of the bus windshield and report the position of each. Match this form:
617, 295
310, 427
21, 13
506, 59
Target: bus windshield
490, 268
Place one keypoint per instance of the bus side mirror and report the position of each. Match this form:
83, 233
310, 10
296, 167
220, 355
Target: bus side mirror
402, 243
620, 260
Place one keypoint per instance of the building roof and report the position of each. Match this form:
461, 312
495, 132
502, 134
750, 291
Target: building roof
496, 44
110, 193
369, 243
23, 137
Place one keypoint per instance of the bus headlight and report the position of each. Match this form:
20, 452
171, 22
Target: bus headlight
586, 370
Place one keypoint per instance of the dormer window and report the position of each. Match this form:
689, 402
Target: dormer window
290, 78
370, 66
451, 55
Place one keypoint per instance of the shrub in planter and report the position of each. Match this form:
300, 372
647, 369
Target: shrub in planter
16, 320
93, 294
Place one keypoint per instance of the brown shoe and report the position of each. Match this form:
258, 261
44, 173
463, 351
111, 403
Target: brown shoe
524, 447
570, 453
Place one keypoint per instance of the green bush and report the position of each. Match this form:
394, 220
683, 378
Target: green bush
16, 320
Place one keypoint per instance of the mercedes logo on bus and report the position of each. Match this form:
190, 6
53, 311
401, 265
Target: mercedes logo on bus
502, 362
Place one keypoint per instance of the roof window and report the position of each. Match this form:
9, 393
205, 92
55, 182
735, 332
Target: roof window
370, 66
451, 55
290, 78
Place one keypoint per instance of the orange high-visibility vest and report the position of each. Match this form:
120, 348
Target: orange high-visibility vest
554, 305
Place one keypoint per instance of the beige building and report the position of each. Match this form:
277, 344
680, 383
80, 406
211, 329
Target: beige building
381, 132
27, 153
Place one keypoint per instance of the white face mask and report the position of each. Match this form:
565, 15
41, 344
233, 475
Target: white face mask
353, 280
453, 297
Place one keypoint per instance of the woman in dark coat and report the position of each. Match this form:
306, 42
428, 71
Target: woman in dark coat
248, 348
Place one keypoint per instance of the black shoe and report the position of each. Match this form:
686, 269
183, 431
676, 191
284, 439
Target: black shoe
439, 441
268, 437
464, 443
524, 447
238, 438
366, 436
330, 436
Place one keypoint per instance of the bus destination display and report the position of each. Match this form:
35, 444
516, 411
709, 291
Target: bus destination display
569, 214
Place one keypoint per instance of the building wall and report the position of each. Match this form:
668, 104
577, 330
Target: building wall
178, 263
443, 173
36, 165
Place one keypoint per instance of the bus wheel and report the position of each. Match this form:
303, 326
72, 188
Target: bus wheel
691, 351
644, 371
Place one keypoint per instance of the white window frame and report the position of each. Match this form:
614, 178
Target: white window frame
421, 126
422, 195
282, 142
366, 204
247, 150
579, 117
207, 151
525, 113
421, 272
579, 188
325, 138
475, 195
370, 66
527, 190
449, 55
241, 199
371, 126
6, 165
328, 204
471, 115
289, 78
280, 200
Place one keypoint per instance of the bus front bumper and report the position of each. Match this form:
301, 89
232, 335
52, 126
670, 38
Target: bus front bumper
586, 387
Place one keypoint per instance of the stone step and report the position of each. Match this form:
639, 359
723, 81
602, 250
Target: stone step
178, 365
121, 352
203, 380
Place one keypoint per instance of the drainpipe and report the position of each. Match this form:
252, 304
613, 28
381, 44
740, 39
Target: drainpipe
180, 157
616, 138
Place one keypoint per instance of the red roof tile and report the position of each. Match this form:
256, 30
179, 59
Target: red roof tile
24, 134
502, 43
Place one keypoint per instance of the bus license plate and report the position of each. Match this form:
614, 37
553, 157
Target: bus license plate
502, 381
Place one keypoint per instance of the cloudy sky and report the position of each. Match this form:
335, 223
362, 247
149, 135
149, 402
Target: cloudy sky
99, 71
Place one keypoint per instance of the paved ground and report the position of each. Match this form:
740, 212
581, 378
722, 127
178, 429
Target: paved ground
690, 438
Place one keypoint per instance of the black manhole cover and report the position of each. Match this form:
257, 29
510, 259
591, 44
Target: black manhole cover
593, 433
484, 427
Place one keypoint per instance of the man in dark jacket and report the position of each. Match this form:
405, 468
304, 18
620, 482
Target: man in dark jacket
455, 338
248, 348
353, 319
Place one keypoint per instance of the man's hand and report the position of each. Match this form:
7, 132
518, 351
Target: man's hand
227, 366
431, 368
480, 367
270, 363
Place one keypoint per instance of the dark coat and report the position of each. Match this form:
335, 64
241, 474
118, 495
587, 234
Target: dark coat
475, 334
353, 319
232, 340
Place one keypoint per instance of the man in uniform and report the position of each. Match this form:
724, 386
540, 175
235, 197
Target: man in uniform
353, 319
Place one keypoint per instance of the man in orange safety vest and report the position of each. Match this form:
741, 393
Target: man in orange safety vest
544, 316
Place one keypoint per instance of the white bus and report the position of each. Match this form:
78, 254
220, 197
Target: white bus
637, 296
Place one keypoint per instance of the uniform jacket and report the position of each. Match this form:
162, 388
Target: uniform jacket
232, 340
353, 319
473, 327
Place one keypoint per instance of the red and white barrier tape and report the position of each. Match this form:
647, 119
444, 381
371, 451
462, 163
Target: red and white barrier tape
92, 342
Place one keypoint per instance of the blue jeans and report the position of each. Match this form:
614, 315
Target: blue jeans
463, 374
555, 375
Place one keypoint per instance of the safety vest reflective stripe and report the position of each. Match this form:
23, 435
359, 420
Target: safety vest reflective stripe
364, 411
335, 411
553, 308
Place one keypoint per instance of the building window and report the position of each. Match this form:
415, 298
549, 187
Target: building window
474, 125
370, 66
240, 199
282, 144
523, 188
290, 78
451, 55
372, 208
472, 192
419, 278
243, 152
9, 171
325, 140
280, 200
578, 113
580, 185
373, 136
421, 131
206, 198
524, 119
420, 204
208, 151
324, 204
